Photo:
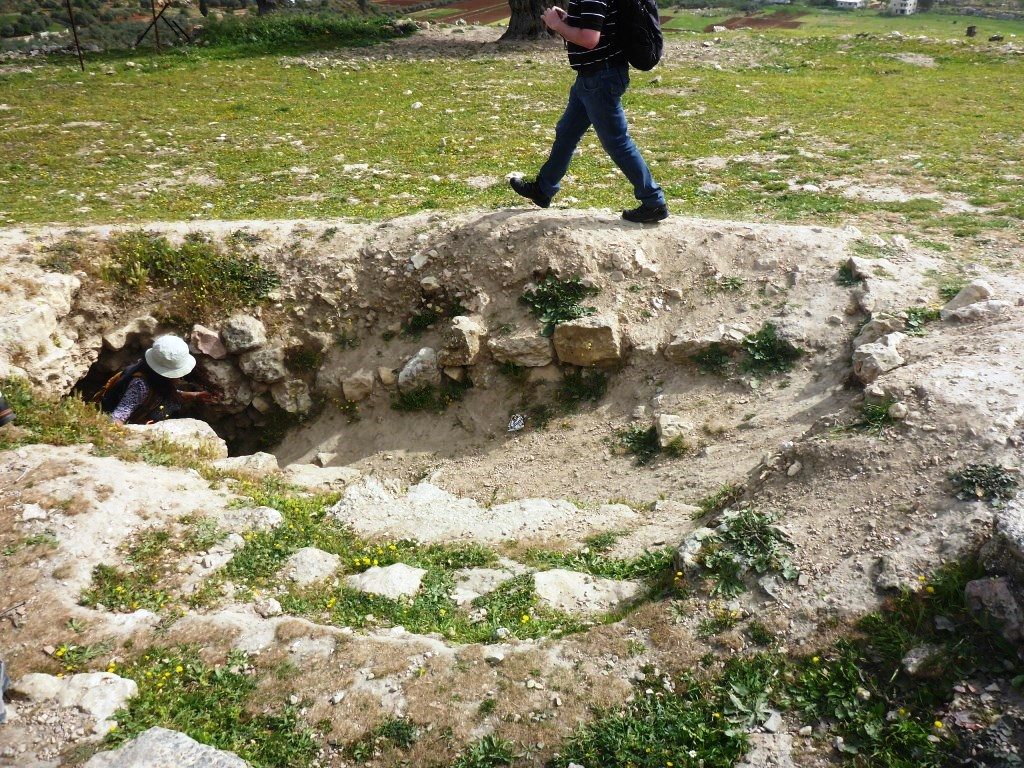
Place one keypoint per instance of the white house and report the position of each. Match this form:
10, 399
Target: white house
902, 7
849, 5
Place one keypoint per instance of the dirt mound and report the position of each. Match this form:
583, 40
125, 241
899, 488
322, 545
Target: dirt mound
776, 20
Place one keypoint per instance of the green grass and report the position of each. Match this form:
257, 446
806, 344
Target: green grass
514, 605
487, 752
43, 418
721, 498
281, 32
918, 318
213, 705
856, 685
202, 278
649, 565
847, 102
875, 418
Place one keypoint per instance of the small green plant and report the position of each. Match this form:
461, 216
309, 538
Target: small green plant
984, 482
724, 284
487, 752
949, 287
759, 634
649, 565
768, 353
641, 442
125, 591
875, 417
846, 277
394, 732
487, 707
555, 301
919, 317
715, 359
718, 620
580, 385
429, 397
75, 658
747, 540
63, 256
518, 374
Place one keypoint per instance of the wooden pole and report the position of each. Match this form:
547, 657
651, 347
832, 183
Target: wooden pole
74, 31
156, 29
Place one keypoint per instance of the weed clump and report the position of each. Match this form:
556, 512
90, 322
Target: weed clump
640, 442
555, 301
746, 541
429, 397
984, 482
918, 318
489, 751
397, 732
875, 417
727, 494
846, 277
580, 385
950, 287
768, 353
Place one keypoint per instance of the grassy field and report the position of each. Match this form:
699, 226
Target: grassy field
202, 135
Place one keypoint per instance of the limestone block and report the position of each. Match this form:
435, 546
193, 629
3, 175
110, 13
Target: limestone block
589, 341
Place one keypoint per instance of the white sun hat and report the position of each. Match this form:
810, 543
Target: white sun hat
169, 356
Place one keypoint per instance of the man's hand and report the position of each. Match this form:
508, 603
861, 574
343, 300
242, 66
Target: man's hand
553, 18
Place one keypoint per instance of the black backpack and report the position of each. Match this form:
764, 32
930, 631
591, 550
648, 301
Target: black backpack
640, 33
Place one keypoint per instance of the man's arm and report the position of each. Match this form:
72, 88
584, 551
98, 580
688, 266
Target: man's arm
554, 18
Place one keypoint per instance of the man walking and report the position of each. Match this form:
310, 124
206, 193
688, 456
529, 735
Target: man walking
602, 76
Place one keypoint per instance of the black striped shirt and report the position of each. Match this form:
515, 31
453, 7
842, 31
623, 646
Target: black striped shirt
603, 16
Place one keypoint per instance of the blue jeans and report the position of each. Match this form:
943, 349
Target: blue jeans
597, 100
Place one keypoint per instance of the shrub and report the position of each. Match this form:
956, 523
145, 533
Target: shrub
201, 276
579, 386
283, 30
640, 442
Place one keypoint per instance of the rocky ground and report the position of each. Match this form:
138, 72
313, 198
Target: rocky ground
482, 530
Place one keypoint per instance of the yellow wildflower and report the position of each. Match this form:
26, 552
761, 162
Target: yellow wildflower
937, 724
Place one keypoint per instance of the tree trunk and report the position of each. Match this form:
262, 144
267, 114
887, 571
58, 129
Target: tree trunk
264, 6
525, 23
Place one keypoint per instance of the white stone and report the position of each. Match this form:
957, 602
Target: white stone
685, 344
188, 433
139, 331
420, 371
471, 583
161, 748
589, 341
310, 565
258, 463
528, 350
320, 478
31, 512
876, 328
265, 365
982, 310
768, 750
242, 333
872, 360
98, 694
972, 293
242, 519
292, 396
267, 607
462, 342
581, 593
676, 431
357, 386
393, 581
